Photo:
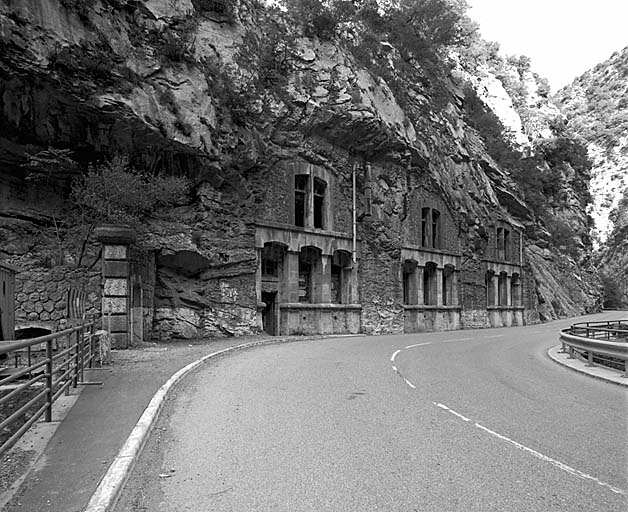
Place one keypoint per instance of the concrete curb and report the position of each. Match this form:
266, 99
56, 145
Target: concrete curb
597, 372
112, 483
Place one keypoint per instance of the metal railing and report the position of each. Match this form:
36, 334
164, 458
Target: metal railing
38, 371
604, 343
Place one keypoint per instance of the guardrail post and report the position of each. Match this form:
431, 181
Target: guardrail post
49, 380
590, 358
77, 361
571, 356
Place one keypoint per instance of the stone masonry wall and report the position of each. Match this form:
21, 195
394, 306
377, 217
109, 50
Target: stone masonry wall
41, 295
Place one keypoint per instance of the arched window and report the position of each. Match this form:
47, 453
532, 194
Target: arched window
340, 277
309, 271
490, 288
429, 284
448, 285
515, 291
502, 289
410, 291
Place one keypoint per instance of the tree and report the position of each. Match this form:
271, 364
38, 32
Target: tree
116, 193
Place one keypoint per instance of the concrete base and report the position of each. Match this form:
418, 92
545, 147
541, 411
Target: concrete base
505, 316
303, 318
425, 318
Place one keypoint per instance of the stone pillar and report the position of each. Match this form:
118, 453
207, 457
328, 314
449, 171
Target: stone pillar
420, 275
115, 274
439, 286
508, 292
495, 290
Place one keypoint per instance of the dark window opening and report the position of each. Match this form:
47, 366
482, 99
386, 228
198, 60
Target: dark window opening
409, 282
319, 202
429, 284
490, 288
305, 275
269, 268
506, 244
300, 199
336, 284
435, 229
425, 213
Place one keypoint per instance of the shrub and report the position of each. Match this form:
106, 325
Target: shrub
115, 193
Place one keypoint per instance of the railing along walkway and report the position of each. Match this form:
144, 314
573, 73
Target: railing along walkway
53, 363
604, 343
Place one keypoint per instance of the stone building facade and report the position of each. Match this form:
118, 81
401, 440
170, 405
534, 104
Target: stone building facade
307, 274
388, 259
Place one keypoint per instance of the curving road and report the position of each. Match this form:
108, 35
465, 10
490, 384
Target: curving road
453, 421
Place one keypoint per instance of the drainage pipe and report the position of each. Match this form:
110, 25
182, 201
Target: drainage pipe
354, 249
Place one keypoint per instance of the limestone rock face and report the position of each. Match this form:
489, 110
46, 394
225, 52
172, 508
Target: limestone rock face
178, 91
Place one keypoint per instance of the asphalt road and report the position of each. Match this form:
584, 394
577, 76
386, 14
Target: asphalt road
457, 421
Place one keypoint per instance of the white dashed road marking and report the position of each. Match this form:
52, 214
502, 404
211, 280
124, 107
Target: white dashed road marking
464, 418
419, 344
538, 455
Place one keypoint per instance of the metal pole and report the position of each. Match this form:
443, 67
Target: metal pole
49, 380
354, 248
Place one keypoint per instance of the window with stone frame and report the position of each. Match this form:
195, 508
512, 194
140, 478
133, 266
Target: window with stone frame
516, 291
429, 284
319, 191
409, 284
301, 182
340, 277
310, 201
502, 289
430, 228
490, 288
309, 274
448, 285
272, 259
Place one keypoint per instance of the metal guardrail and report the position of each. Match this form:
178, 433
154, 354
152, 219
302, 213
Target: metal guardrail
53, 363
604, 343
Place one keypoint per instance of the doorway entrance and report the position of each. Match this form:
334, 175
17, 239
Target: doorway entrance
270, 322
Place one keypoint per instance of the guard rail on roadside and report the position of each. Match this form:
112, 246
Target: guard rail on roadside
52, 364
605, 343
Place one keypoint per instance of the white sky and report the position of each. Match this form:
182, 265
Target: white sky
563, 38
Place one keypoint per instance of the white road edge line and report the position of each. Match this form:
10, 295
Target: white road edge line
392, 359
538, 455
459, 339
496, 336
419, 344
395, 369
409, 383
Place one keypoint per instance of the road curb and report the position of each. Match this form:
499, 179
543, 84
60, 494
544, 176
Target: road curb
577, 365
112, 483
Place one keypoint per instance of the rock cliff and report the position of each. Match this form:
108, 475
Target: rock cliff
596, 108
221, 92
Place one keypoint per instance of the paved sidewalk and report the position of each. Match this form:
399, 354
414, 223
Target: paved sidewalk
597, 371
83, 445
